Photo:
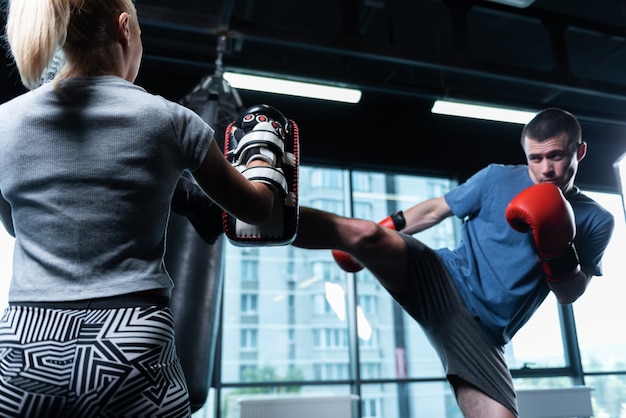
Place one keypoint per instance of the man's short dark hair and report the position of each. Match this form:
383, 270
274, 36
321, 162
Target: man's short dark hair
552, 122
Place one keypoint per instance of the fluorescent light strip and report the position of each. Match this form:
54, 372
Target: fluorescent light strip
468, 110
292, 88
515, 3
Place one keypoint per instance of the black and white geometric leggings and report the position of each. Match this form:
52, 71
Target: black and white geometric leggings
83, 363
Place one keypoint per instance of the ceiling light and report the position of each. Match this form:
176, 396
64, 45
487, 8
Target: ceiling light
477, 111
292, 88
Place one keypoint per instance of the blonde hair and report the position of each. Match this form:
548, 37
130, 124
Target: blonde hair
37, 29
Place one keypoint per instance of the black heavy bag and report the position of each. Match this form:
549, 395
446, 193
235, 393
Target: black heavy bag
194, 264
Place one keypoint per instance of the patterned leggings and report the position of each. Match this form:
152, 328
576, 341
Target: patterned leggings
85, 363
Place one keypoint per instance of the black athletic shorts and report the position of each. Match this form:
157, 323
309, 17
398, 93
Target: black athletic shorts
458, 338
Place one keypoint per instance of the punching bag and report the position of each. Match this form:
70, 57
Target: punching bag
196, 266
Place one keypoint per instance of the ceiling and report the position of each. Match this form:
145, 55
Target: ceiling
554, 52
404, 54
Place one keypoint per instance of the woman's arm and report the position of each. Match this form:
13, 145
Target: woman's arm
247, 200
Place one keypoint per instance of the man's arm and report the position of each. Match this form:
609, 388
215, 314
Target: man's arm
543, 210
426, 214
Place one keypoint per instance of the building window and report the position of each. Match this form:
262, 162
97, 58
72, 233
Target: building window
249, 303
331, 371
371, 341
327, 179
327, 271
362, 210
370, 408
370, 370
330, 338
328, 205
249, 270
321, 305
249, 339
361, 182
368, 303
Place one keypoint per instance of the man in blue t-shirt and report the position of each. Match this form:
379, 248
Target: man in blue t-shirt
527, 231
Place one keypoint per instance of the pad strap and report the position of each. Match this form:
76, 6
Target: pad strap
268, 175
265, 145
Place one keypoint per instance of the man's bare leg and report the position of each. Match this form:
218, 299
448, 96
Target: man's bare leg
475, 404
381, 250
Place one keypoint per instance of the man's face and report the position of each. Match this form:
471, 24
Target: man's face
553, 161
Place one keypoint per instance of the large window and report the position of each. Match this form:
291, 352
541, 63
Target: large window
599, 315
345, 334
337, 317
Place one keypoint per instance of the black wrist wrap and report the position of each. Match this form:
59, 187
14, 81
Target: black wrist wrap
398, 220
563, 264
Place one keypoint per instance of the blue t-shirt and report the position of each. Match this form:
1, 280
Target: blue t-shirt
495, 267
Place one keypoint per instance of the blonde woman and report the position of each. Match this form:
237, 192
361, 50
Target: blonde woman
88, 166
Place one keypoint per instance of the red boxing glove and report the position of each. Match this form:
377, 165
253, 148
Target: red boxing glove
348, 263
543, 210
